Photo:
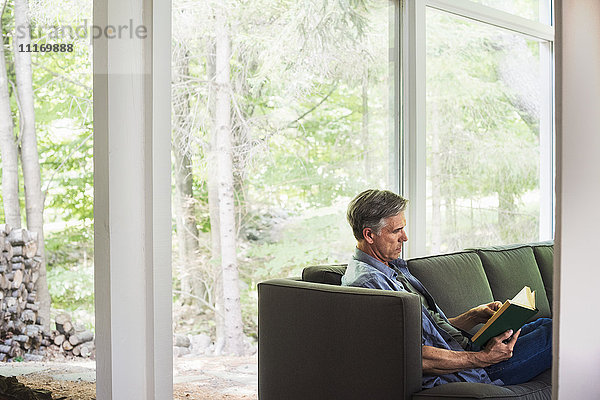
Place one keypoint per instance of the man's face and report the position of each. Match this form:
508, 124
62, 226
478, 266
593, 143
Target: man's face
387, 246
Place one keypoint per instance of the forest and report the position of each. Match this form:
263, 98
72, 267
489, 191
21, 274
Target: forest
282, 111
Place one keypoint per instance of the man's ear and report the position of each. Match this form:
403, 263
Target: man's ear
368, 234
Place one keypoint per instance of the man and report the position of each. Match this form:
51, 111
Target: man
378, 223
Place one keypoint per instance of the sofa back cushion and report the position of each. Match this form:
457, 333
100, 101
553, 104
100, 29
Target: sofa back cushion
329, 274
456, 281
509, 268
544, 256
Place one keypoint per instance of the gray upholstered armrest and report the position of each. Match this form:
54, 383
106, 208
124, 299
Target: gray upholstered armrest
320, 341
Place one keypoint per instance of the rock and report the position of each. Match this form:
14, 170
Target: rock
200, 343
181, 340
250, 346
180, 351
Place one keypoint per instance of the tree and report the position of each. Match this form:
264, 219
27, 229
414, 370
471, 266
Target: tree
8, 147
34, 202
192, 288
234, 343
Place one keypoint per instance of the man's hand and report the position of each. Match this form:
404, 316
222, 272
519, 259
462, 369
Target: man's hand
499, 348
477, 315
483, 312
438, 361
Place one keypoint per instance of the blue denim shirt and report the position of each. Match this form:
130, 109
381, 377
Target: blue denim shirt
365, 271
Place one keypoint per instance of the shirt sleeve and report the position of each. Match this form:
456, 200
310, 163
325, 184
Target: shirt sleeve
373, 281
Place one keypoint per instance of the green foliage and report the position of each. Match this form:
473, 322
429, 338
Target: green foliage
70, 269
66, 158
68, 163
305, 240
314, 162
72, 288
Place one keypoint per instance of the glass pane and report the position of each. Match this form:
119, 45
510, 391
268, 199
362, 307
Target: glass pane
302, 92
536, 10
485, 97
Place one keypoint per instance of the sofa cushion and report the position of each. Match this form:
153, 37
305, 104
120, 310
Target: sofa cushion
456, 281
544, 256
539, 388
509, 268
329, 274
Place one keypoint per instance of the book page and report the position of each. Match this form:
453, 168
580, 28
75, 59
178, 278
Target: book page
525, 298
531, 297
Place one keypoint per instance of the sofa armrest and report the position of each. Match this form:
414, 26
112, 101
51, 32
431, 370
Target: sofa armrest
319, 341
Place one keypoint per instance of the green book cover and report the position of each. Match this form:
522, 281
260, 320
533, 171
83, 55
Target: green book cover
512, 315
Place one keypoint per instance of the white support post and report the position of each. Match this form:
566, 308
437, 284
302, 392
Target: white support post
132, 194
576, 272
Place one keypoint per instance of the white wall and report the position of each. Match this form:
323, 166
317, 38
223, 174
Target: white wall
577, 265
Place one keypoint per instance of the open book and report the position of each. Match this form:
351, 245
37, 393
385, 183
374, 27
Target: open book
512, 315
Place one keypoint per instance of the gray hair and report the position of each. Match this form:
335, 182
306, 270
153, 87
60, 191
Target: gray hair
370, 208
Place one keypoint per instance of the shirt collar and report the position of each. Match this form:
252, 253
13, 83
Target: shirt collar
360, 255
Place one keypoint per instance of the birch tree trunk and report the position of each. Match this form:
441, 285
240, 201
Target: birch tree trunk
8, 149
213, 206
234, 343
30, 163
187, 231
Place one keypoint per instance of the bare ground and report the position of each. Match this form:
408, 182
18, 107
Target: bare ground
196, 378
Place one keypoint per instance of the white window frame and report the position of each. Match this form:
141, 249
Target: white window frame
413, 156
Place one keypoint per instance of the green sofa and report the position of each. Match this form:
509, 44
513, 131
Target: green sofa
319, 340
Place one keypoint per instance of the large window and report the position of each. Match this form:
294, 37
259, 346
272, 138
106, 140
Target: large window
479, 159
283, 111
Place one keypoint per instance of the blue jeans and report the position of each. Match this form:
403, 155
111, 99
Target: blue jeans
532, 354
